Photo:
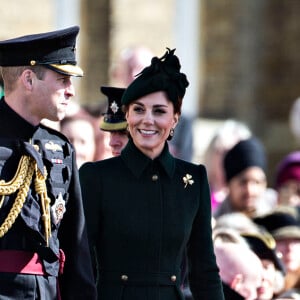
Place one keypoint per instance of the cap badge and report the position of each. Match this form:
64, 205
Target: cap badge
187, 179
58, 209
114, 107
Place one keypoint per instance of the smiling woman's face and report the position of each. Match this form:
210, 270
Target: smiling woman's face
150, 119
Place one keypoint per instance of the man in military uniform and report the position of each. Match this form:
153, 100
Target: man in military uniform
44, 250
114, 119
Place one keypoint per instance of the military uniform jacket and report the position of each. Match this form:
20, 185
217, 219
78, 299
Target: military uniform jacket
68, 231
141, 215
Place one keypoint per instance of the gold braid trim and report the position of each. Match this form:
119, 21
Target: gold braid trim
24, 174
41, 189
7, 188
22, 180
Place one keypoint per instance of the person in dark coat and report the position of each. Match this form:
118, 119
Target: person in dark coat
44, 251
145, 207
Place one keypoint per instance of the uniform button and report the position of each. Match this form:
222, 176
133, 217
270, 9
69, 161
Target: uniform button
173, 278
124, 277
154, 177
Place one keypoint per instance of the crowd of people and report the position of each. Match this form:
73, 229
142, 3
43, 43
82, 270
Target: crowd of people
107, 203
259, 216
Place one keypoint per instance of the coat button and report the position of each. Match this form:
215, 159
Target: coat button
154, 177
173, 278
124, 277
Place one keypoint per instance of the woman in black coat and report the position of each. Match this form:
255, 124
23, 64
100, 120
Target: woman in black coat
145, 207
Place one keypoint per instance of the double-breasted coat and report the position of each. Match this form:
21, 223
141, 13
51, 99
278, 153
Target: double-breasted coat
27, 232
141, 216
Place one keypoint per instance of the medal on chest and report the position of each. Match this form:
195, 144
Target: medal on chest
58, 209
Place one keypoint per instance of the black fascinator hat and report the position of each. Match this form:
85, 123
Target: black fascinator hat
163, 74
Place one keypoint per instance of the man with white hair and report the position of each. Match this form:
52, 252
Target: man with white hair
240, 270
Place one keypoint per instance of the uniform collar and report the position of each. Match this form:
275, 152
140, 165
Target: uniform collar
137, 162
21, 128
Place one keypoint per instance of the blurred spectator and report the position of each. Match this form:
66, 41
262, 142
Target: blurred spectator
114, 120
283, 224
237, 221
79, 129
241, 275
103, 149
181, 145
264, 246
294, 119
261, 243
245, 173
228, 235
221, 236
287, 181
239, 228
131, 62
230, 133
290, 294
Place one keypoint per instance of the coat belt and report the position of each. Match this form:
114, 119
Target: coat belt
140, 278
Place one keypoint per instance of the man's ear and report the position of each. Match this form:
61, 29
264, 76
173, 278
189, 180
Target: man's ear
27, 79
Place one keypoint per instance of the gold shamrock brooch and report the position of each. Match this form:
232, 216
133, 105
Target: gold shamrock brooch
187, 179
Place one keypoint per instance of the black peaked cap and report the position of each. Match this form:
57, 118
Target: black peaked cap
114, 118
55, 49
